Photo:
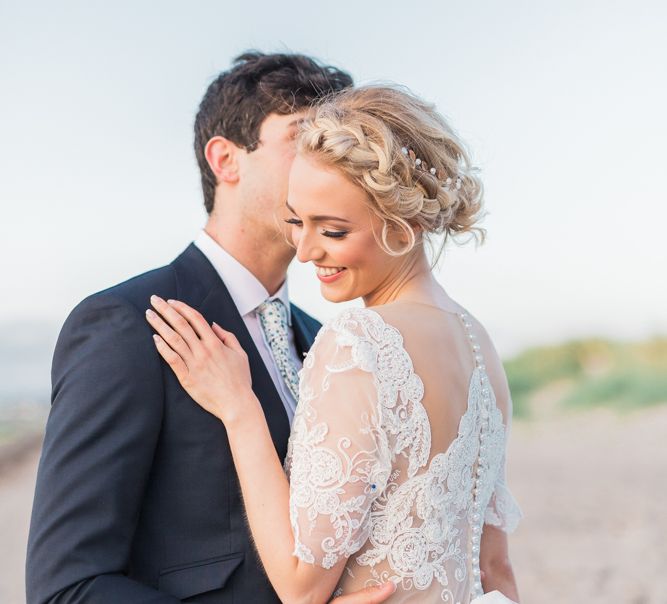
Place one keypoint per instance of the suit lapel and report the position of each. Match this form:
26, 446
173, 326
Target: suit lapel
305, 330
196, 274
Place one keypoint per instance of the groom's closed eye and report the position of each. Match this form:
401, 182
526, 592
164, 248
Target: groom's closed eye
290, 208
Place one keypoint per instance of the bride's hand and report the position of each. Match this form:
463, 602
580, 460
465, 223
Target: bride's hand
208, 361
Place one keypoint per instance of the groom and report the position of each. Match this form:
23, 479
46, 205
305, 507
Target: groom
137, 499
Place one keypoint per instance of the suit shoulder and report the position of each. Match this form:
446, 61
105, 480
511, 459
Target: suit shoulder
136, 291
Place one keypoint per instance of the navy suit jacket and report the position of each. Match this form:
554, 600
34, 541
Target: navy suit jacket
137, 498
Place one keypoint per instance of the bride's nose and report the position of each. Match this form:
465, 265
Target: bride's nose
307, 247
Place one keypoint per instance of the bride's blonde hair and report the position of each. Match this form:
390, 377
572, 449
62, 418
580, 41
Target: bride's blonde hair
374, 135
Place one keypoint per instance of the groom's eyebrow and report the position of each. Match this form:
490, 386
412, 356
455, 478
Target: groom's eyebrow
319, 217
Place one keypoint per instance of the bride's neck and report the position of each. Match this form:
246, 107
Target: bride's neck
413, 281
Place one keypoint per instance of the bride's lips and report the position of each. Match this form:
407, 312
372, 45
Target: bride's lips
326, 275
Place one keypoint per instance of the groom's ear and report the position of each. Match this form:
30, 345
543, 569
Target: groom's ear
222, 155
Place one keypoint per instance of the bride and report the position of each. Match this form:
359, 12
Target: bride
396, 462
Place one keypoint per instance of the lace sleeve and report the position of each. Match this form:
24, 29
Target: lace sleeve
338, 459
503, 511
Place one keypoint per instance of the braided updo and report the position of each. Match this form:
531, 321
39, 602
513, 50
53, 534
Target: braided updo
365, 133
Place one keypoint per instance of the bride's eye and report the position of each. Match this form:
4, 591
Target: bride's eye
335, 234
295, 221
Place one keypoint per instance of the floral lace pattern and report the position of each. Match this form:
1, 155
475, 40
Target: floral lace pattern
359, 412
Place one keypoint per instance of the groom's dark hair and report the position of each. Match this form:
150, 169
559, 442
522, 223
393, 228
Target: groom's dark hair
258, 84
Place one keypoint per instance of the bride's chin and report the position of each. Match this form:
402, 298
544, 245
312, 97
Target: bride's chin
331, 295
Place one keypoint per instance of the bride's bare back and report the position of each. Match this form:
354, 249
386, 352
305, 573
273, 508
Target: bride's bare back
396, 458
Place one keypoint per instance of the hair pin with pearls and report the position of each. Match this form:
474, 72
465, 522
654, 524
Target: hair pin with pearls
421, 165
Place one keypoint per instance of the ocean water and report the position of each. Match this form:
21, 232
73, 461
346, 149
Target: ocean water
26, 349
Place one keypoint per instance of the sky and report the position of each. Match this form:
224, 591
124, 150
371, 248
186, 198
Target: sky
561, 103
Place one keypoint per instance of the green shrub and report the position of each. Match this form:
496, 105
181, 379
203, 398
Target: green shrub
601, 372
631, 389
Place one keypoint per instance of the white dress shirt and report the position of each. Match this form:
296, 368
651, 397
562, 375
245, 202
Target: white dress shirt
248, 293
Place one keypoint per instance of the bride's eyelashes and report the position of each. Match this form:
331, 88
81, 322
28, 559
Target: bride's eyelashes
326, 233
335, 234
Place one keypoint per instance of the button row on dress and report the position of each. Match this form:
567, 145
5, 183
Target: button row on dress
477, 516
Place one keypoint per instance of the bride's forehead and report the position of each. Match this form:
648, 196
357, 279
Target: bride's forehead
313, 184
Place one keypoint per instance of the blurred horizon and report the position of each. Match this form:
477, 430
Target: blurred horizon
561, 105
614, 373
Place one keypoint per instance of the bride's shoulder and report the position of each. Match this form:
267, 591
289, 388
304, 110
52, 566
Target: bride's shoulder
353, 321
377, 324
353, 337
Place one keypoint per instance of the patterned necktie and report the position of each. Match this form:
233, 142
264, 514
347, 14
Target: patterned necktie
273, 318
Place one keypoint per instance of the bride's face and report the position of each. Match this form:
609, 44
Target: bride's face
333, 227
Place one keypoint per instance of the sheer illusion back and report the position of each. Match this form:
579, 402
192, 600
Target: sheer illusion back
397, 453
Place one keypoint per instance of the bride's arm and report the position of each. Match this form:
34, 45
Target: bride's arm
213, 368
266, 498
502, 514
495, 564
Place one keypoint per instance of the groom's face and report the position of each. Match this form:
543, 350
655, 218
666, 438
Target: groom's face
264, 173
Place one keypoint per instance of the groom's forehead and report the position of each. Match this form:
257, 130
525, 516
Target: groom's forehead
276, 123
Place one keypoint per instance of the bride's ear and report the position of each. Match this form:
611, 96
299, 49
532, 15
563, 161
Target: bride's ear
403, 237
222, 157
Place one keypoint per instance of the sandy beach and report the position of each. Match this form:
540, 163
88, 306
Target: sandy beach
592, 490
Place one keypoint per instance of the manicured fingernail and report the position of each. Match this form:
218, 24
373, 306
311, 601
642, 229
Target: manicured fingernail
171, 301
156, 338
150, 314
154, 299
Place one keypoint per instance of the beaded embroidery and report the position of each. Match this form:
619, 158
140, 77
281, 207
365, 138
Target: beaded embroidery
426, 524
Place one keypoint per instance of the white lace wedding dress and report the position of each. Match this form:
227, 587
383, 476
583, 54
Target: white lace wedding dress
396, 459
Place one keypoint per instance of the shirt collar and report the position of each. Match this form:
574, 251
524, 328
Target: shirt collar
245, 289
